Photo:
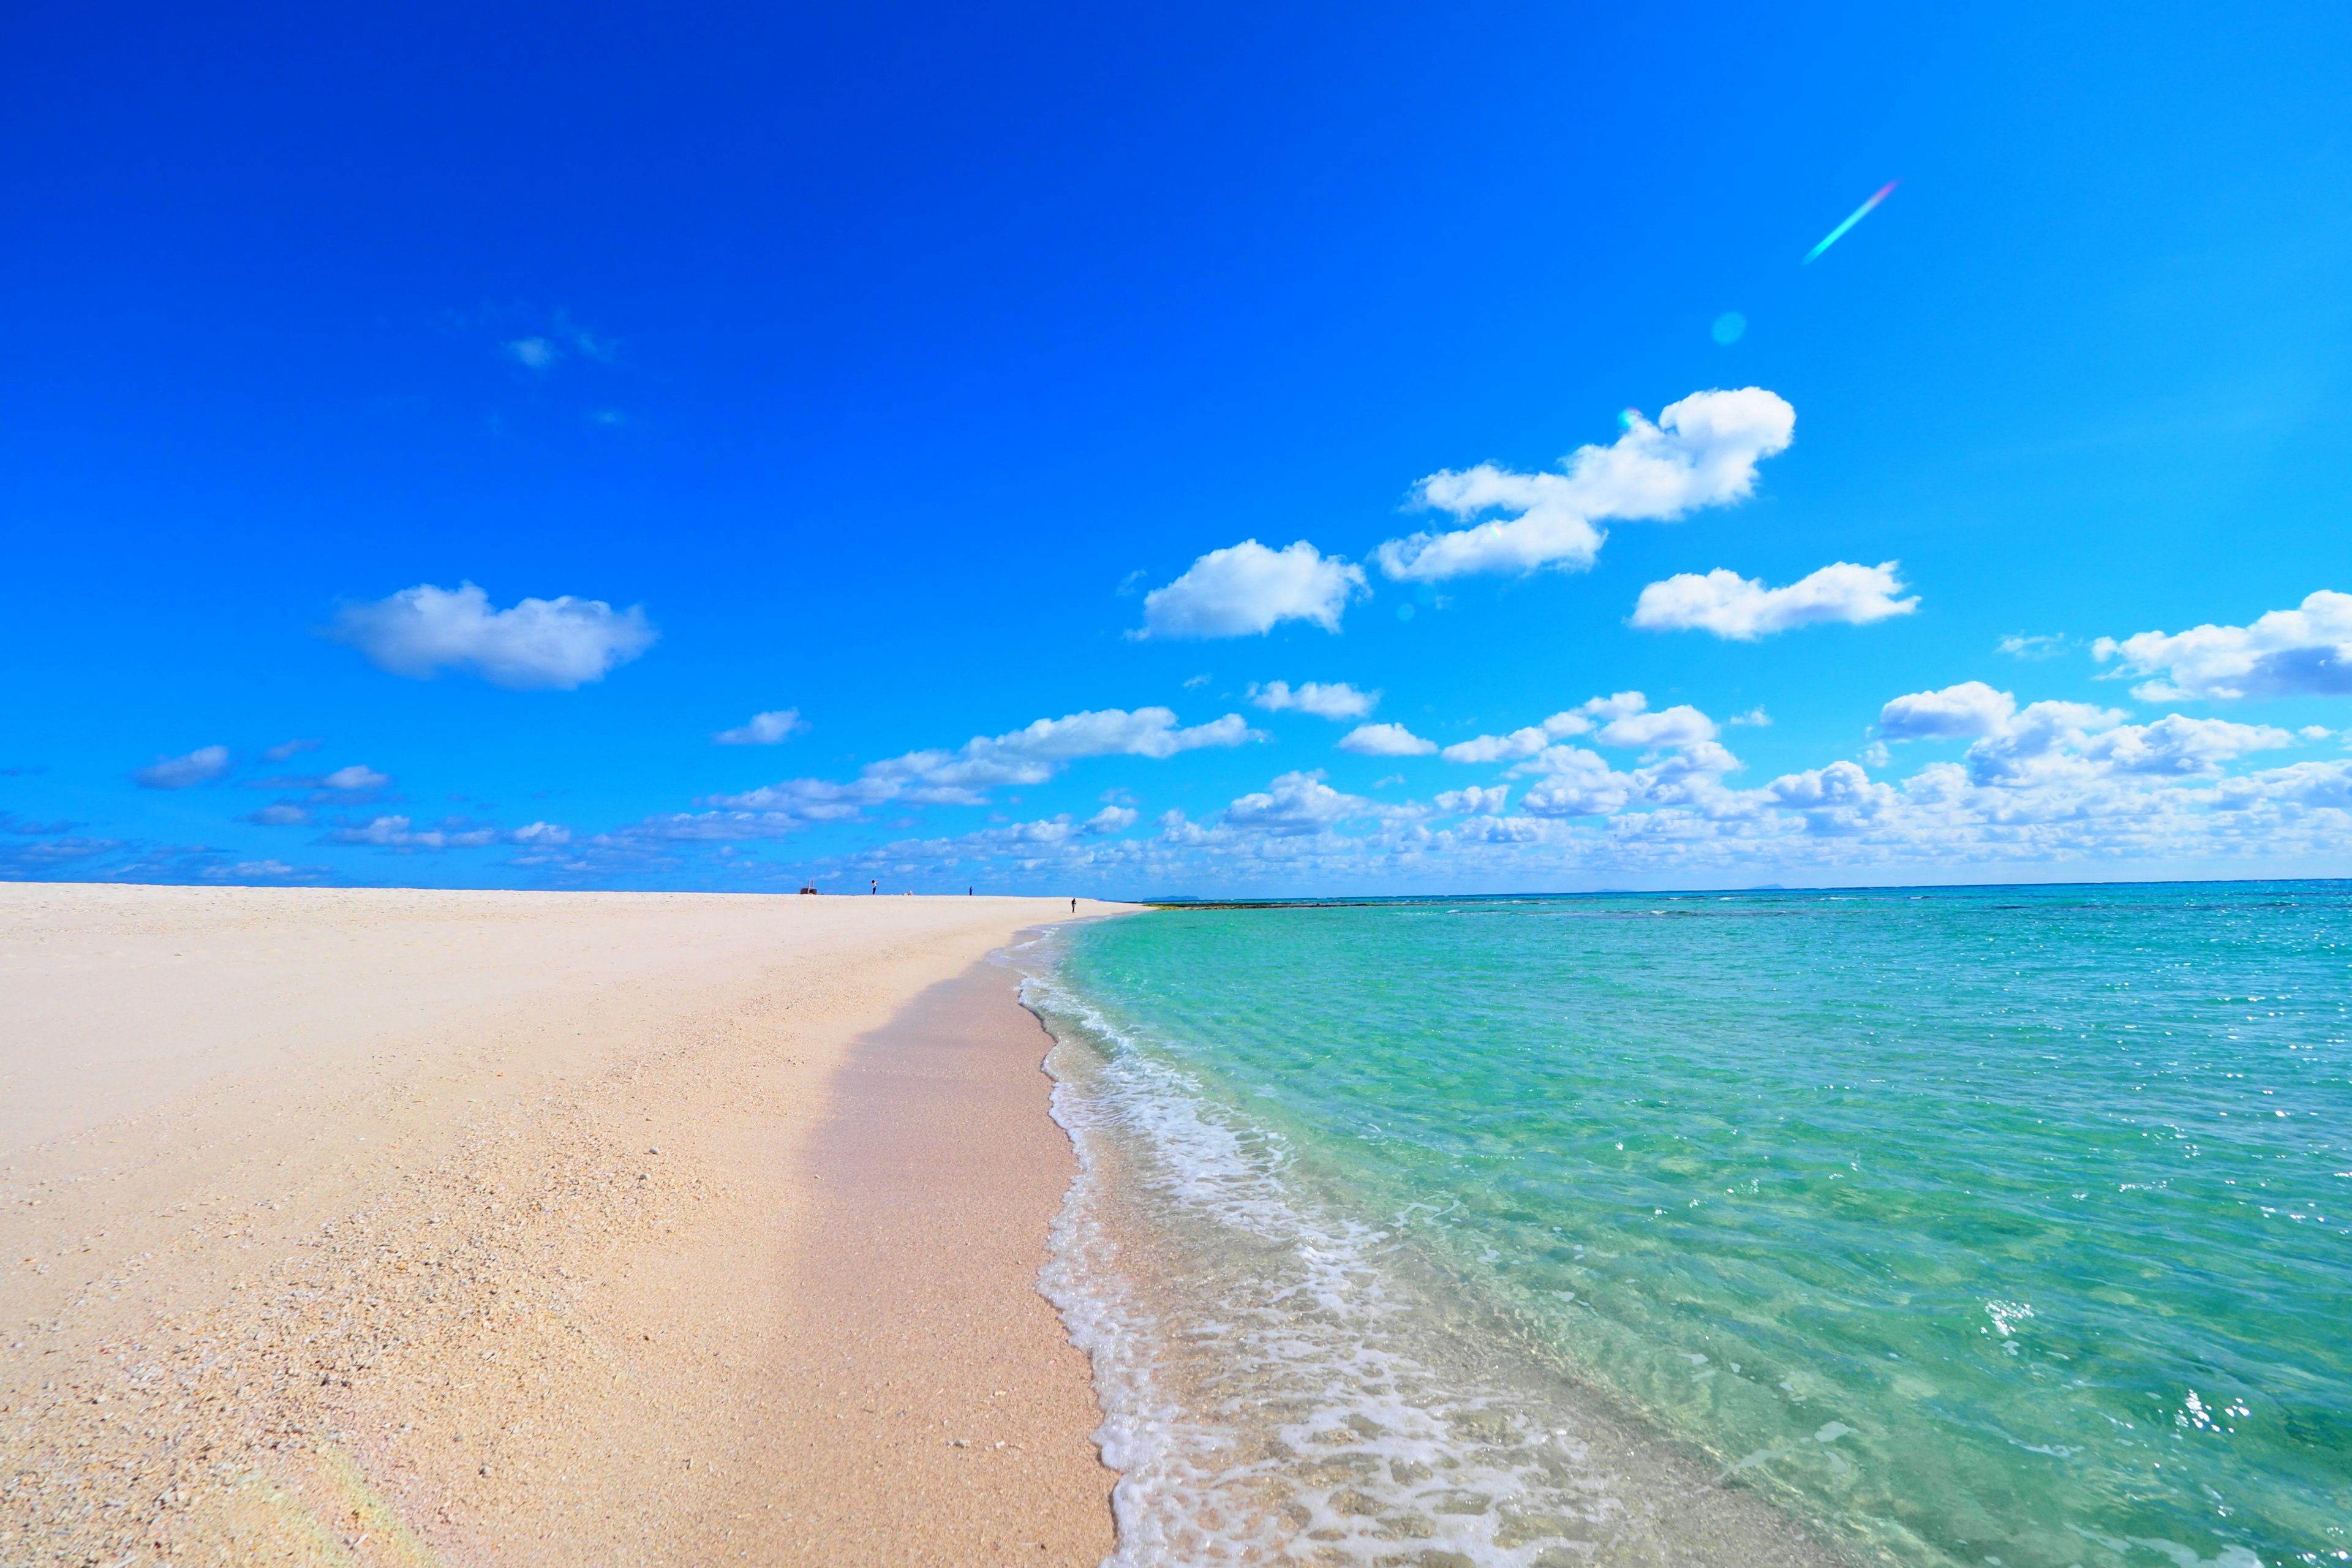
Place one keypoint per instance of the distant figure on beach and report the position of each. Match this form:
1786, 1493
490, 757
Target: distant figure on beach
1074, 906
875, 885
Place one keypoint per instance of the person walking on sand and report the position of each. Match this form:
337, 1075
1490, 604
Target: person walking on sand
875, 885
1074, 906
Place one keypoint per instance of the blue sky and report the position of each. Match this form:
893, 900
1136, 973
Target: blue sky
880, 369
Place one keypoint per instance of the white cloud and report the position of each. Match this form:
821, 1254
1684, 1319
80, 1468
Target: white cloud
281, 814
1703, 451
1247, 589
1520, 744
561, 643
1385, 740
1335, 701
285, 749
2021, 645
2044, 740
1030, 755
534, 353
542, 352
359, 776
1110, 819
201, 765
400, 833
763, 729
2177, 746
1967, 709
1683, 762
1681, 725
1478, 800
1755, 718
245, 871
1294, 805
1578, 782
1743, 609
2301, 652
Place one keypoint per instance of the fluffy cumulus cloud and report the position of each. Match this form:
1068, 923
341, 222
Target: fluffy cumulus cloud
201, 765
1968, 710
1622, 719
1478, 800
1335, 701
2177, 746
1703, 451
2302, 652
1295, 804
1679, 726
2075, 738
1743, 609
561, 643
1246, 589
763, 729
1385, 740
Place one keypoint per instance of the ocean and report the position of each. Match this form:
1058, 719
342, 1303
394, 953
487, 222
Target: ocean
1993, 1225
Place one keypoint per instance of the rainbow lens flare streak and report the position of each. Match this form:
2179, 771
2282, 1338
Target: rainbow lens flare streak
1860, 212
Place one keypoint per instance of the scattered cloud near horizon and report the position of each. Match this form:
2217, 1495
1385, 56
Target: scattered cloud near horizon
399, 833
1742, 609
961, 776
2302, 652
1246, 590
1334, 699
560, 643
1703, 451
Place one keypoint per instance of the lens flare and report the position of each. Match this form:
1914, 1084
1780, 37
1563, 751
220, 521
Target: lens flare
1860, 212
1728, 327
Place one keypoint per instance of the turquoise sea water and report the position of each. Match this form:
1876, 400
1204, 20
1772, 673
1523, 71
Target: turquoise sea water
2003, 1226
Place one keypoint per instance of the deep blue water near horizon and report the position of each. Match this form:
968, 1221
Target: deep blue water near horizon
1989, 1225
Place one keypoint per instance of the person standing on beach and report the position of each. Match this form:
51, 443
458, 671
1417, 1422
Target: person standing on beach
1074, 906
875, 885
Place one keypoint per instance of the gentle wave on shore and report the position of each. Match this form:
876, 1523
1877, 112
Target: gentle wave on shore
1978, 1227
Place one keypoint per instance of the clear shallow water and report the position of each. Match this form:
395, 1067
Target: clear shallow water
1989, 1226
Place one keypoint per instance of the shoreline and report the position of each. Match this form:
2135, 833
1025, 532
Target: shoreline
959, 1419
1279, 1361
417, 1228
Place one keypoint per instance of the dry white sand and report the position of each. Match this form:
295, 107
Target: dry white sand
399, 1226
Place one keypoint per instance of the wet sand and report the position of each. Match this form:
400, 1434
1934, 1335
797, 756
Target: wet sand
405, 1227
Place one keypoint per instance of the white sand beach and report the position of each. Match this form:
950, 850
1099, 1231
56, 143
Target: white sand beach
388, 1226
